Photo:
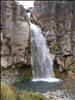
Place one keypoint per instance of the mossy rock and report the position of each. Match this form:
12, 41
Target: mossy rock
56, 47
71, 67
27, 75
58, 74
24, 70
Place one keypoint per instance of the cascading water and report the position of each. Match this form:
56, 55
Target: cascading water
41, 61
42, 64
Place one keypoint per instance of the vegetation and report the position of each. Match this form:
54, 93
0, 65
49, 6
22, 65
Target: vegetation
7, 92
72, 66
30, 96
24, 70
27, 75
60, 75
10, 93
55, 48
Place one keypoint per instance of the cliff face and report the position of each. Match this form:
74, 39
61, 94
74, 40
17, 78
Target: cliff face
58, 20
14, 33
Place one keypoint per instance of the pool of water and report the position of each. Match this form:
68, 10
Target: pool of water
38, 86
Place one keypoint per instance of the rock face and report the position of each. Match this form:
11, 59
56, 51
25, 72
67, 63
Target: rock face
58, 19
14, 33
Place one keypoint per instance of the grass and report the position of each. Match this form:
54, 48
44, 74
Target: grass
30, 96
7, 93
10, 93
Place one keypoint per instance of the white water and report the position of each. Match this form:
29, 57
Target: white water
42, 63
47, 80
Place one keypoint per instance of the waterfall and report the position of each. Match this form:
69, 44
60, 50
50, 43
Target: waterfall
41, 60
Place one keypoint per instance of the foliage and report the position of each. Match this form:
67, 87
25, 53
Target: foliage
10, 93
27, 75
71, 67
7, 92
58, 74
25, 71
49, 40
30, 96
56, 48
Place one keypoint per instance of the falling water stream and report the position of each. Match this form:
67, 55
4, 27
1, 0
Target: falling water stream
41, 60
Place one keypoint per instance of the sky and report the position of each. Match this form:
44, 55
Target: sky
26, 4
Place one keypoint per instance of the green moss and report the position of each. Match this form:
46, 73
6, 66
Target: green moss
25, 71
49, 40
19, 65
55, 48
27, 75
72, 68
60, 75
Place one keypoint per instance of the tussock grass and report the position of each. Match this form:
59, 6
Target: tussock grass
7, 92
30, 96
10, 93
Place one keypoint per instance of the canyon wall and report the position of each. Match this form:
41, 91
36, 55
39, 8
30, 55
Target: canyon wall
57, 19
14, 34
15, 43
